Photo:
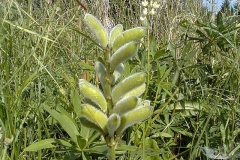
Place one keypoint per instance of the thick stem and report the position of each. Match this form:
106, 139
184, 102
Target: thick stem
112, 149
108, 80
111, 143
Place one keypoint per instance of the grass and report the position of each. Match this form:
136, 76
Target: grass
193, 84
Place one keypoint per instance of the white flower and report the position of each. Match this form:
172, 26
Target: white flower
152, 12
145, 11
155, 5
142, 18
144, 3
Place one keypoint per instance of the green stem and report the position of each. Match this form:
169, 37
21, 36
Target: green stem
148, 62
147, 85
193, 152
108, 80
112, 149
143, 142
112, 142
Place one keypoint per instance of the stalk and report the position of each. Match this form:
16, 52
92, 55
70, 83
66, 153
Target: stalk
147, 84
112, 149
108, 80
148, 61
112, 143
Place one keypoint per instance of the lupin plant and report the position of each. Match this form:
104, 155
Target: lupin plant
117, 105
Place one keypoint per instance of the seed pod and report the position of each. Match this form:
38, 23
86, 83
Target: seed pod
144, 103
95, 116
89, 124
128, 36
114, 33
124, 53
125, 105
113, 123
97, 29
89, 101
117, 73
126, 85
101, 73
138, 91
134, 116
93, 93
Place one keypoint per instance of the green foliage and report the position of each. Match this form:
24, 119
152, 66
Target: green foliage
192, 76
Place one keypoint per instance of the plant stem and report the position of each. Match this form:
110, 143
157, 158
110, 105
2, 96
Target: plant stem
148, 61
193, 152
107, 86
108, 80
112, 149
143, 142
147, 85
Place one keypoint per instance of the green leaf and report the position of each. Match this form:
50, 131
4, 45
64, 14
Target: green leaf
151, 143
65, 122
81, 142
190, 55
172, 50
43, 144
159, 53
164, 134
127, 148
99, 148
47, 143
63, 111
70, 156
27, 81
186, 49
86, 66
76, 101
152, 158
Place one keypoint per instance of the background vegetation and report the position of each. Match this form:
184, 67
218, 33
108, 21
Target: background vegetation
194, 86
